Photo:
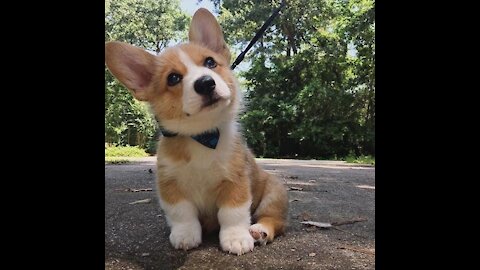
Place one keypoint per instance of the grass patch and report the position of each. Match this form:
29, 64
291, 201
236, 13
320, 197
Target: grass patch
361, 160
116, 160
124, 151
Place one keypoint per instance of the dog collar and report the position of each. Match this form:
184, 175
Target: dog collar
208, 138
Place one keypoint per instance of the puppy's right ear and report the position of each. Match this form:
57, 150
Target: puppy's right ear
132, 66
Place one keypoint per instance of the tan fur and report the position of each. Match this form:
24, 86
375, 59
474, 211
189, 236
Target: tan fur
199, 32
175, 148
169, 190
245, 179
166, 100
227, 177
274, 215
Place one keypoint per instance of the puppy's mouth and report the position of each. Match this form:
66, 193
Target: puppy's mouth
211, 101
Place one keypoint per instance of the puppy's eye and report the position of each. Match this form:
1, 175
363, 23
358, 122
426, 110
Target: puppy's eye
210, 63
173, 78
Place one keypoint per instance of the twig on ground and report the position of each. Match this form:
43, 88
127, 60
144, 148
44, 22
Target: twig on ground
338, 223
325, 225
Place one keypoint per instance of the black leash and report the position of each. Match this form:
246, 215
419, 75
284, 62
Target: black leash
258, 35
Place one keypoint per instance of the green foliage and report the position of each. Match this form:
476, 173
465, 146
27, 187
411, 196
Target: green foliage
145, 23
127, 121
310, 90
149, 24
361, 160
310, 87
125, 151
116, 160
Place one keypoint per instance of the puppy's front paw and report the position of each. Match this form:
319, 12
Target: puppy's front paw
186, 236
236, 240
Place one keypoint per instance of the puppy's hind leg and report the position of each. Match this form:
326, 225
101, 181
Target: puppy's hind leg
271, 213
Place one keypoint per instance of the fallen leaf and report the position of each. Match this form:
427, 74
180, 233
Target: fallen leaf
133, 189
312, 254
296, 188
312, 181
366, 187
145, 254
141, 201
141, 189
321, 225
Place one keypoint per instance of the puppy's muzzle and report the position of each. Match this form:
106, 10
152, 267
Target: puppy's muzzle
205, 86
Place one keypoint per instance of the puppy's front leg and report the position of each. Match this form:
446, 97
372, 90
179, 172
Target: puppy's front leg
234, 218
182, 217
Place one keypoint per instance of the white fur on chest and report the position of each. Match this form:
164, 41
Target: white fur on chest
207, 167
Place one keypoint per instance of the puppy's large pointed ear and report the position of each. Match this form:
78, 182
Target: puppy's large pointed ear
132, 66
205, 30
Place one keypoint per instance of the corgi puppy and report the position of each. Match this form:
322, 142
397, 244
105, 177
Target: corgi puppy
207, 178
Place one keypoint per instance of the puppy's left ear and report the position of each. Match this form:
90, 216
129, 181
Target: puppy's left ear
205, 30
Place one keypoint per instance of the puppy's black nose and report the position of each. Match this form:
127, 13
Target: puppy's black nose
204, 85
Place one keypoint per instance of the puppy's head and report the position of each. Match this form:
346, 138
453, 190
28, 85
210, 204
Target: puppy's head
190, 87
